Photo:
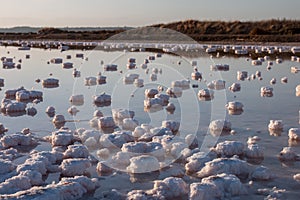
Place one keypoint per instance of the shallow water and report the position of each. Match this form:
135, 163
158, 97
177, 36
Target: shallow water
194, 115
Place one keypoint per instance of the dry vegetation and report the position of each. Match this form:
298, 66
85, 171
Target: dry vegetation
260, 31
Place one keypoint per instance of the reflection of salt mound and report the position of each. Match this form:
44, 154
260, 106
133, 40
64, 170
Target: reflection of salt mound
143, 164
2, 129
56, 60
229, 148
67, 65
294, 134
218, 186
150, 148
50, 111
138, 82
225, 165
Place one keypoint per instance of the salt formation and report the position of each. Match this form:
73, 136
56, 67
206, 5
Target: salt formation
266, 91
206, 94
142, 164
129, 124
1, 82
102, 99
6, 166
242, 75
74, 166
50, 110
254, 151
90, 81
170, 188
216, 84
196, 75
106, 122
234, 105
235, 87
67, 65
121, 114
31, 111
58, 121
110, 67
288, 154
164, 97
139, 82
170, 107
76, 73
174, 92
73, 110
219, 67
67, 188
150, 93
115, 139
229, 148
256, 62
77, 100
56, 60
62, 137
149, 148
197, 161
298, 91
275, 125
153, 102
284, 79
17, 139
2, 129
50, 83
297, 177
220, 186
233, 165
262, 173
129, 78
183, 84
220, 125
153, 77
172, 125
101, 79
273, 81
294, 134
21, 94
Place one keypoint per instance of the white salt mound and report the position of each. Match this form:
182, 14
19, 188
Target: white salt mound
220, 186
170, 188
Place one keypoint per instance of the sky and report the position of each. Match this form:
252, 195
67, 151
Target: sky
104, 13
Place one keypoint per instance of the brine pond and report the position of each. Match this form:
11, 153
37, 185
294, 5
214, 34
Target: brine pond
193, 113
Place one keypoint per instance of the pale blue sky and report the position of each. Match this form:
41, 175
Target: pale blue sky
61, 13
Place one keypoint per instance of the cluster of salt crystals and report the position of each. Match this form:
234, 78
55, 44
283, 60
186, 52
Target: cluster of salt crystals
216, 85
218, 186
288, 154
